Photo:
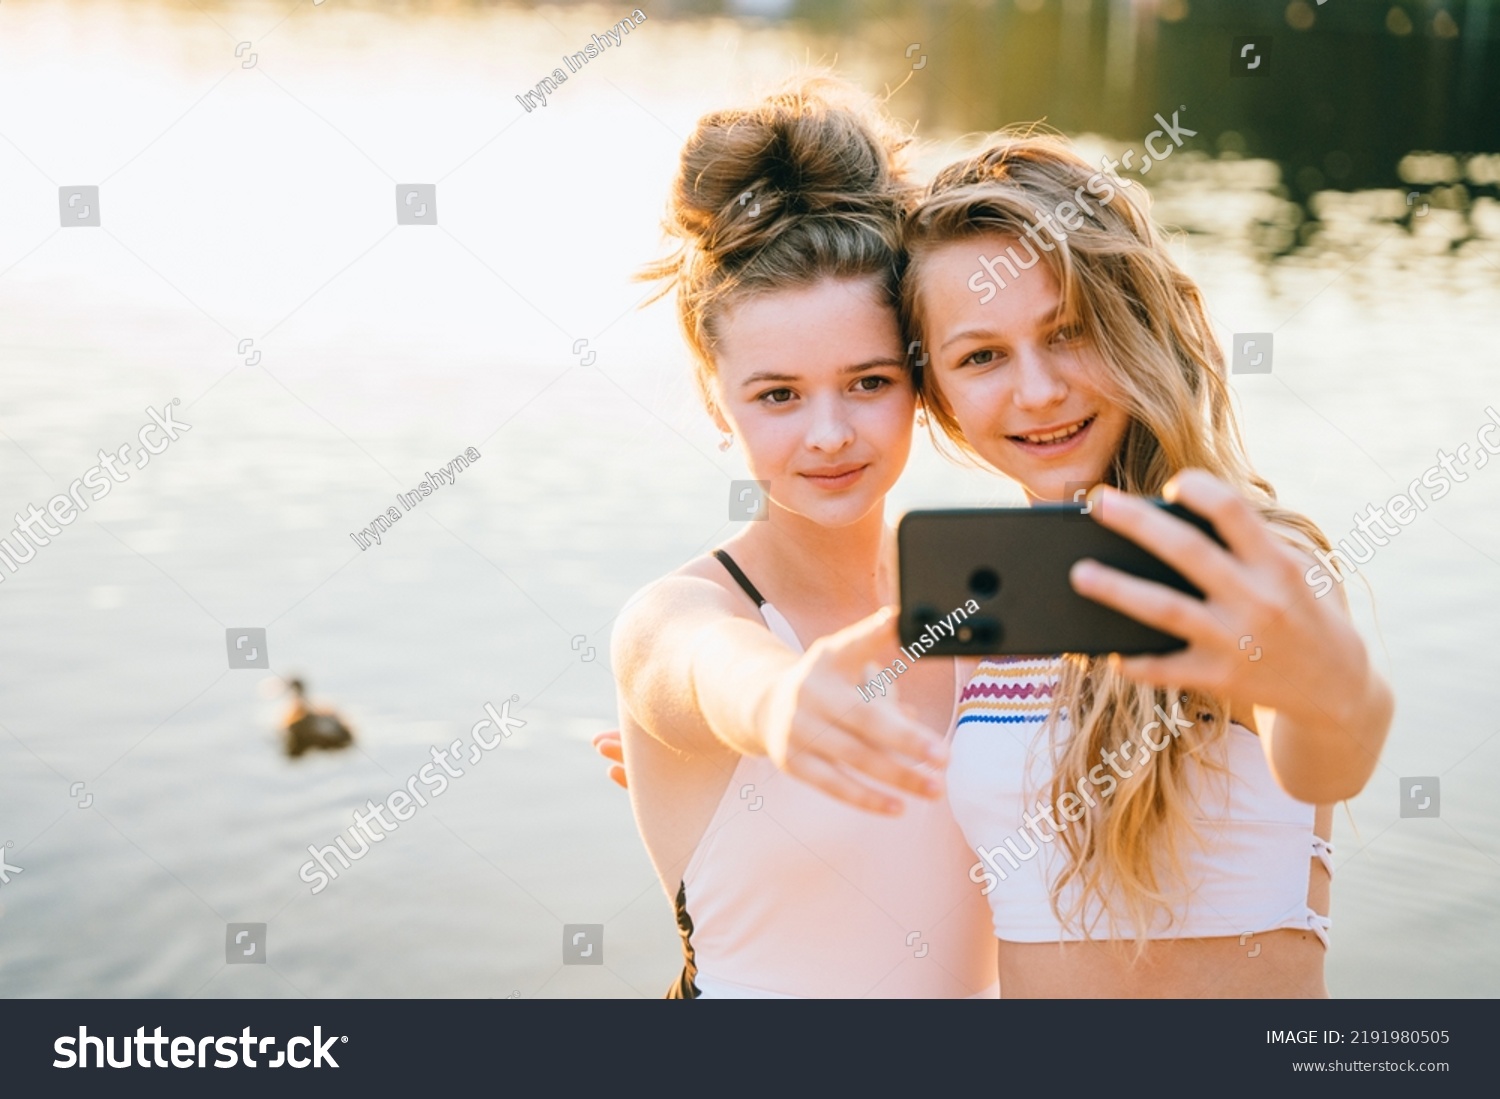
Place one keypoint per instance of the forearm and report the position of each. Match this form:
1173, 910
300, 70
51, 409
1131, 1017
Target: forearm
1327, 753
735, 666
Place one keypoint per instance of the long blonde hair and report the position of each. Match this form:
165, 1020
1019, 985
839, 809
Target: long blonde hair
1120, 285
806, 183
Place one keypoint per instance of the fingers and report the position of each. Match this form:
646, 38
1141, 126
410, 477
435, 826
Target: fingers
608, 745
846, 737
853, 753
871, 640
1175, 669
1232, 516
836, 784
1146, 601
1190, 669
857, 653
1188, 550
883, 725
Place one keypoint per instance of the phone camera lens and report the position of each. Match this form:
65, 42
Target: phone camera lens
984, 583
926, 616
986, 633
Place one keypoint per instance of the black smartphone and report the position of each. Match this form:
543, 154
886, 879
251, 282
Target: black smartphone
995, 581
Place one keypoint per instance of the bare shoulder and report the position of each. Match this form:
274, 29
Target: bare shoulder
686, 598
655, 637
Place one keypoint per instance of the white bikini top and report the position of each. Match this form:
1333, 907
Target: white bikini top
1247, 873
791, 893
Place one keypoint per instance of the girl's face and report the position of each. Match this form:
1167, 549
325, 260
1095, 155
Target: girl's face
1029, 394
812, 380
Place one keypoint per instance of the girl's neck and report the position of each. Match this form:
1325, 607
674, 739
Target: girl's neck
814, 565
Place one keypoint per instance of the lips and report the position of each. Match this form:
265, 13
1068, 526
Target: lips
836, 476
1053, 436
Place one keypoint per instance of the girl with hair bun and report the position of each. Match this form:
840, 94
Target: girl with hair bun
762, 785
1155, 825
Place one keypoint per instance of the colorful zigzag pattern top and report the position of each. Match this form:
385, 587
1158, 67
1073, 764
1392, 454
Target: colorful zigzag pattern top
1009, 691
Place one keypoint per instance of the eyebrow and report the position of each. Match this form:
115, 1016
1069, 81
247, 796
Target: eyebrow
855, 368
1050, 317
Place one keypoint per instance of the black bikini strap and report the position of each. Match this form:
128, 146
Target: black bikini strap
739, 577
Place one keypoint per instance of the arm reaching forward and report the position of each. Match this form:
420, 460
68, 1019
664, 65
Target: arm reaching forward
698, 669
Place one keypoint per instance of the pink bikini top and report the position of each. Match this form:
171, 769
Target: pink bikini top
792, 894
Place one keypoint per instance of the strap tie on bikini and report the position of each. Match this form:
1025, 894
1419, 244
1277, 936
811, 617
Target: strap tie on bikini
1319, 925
1323, 851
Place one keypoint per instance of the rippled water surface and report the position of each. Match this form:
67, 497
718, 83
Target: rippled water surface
256, 203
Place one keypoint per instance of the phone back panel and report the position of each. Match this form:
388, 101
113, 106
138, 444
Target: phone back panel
1014, 563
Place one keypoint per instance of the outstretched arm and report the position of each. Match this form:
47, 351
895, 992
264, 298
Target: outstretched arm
696, 671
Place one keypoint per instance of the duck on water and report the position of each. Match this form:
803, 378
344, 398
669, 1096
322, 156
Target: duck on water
306, 727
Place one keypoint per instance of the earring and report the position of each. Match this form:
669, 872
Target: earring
727, 441
921, 417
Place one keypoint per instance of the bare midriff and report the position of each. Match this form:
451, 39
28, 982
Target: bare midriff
1286, 963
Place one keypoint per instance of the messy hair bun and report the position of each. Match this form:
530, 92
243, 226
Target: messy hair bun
806, 183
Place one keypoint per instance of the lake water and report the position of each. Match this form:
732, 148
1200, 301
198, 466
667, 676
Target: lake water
254, 201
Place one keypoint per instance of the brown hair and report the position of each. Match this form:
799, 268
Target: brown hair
1119, 284
806, 183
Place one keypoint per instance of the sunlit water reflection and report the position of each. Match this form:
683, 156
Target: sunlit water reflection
258, 203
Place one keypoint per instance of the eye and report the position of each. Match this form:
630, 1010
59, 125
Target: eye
872, 383
1071, 333
983, 357
776, 396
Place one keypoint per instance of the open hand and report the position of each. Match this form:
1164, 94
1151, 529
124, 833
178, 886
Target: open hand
818, 728
1259, 636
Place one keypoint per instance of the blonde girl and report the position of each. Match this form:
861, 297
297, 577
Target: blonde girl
1151, 825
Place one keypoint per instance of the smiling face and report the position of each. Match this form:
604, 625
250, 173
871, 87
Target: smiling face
1029, 393
813, 382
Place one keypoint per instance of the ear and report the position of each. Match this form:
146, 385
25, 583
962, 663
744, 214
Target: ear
711, 401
